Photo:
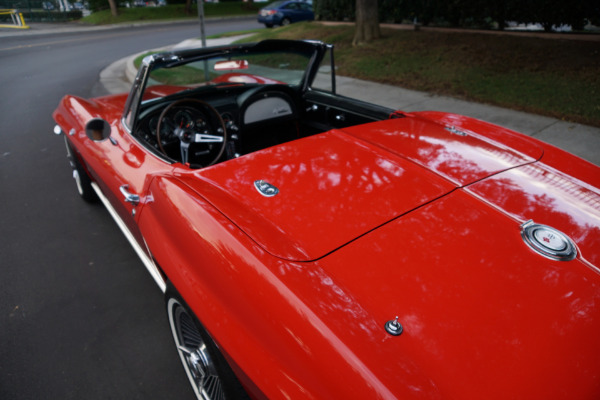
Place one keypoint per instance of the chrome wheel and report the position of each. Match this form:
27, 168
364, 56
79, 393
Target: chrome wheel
194, 352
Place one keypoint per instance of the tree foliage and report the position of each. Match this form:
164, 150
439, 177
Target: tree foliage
471, 13
334, 10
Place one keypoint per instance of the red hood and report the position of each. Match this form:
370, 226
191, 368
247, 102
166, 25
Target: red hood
484, 316
336, 186
498, 322
461, 149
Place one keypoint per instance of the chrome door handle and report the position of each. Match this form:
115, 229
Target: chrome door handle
129, 197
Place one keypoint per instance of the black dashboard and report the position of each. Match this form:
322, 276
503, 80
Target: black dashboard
247, 118
208, 125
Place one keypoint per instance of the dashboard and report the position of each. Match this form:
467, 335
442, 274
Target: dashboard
267, 108
241, 117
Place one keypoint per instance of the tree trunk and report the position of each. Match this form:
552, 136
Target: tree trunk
113, 8
188, 7
367, 22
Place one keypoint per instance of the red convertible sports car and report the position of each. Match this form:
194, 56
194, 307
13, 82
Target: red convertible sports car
312, 246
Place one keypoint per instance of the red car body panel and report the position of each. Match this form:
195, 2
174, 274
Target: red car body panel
548, 196
346, 187
417, 217
403, 268
352, 181
457, 307
495, 321
111, 166
463, 152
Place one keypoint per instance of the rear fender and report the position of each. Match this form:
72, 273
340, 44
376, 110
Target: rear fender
242, 296
207, 269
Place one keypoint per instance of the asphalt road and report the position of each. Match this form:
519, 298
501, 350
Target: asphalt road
80, 316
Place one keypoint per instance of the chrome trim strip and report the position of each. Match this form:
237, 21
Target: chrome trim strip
148, 263
124, 125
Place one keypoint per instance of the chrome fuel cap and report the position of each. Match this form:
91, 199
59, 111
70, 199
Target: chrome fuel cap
548, 241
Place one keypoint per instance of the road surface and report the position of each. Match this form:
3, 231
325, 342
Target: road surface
81, 318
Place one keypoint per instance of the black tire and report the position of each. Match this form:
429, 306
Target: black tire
209, 374
285, 22
82, 179
269, 25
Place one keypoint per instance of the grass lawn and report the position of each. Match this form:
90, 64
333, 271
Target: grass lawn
557, 78
553, 77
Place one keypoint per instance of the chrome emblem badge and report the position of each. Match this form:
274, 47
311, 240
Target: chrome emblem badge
455, 131
265, 188
548, 241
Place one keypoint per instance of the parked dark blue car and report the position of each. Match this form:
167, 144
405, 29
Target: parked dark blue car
285, 12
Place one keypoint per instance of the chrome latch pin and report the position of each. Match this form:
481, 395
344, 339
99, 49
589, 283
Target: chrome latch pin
393, 327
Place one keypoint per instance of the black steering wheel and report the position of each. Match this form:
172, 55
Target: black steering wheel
197, 126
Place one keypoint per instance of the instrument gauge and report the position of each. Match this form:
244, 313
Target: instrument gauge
201, 123
183, 119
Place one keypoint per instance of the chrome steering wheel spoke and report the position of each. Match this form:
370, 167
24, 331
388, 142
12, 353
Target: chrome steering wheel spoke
185, 151
187, 133
205, 138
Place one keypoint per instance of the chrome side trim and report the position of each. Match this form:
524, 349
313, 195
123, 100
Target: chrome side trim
148, 263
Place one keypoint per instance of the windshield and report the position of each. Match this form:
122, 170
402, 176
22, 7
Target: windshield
281, 67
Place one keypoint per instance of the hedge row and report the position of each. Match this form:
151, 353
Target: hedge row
44, 16
51, 16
